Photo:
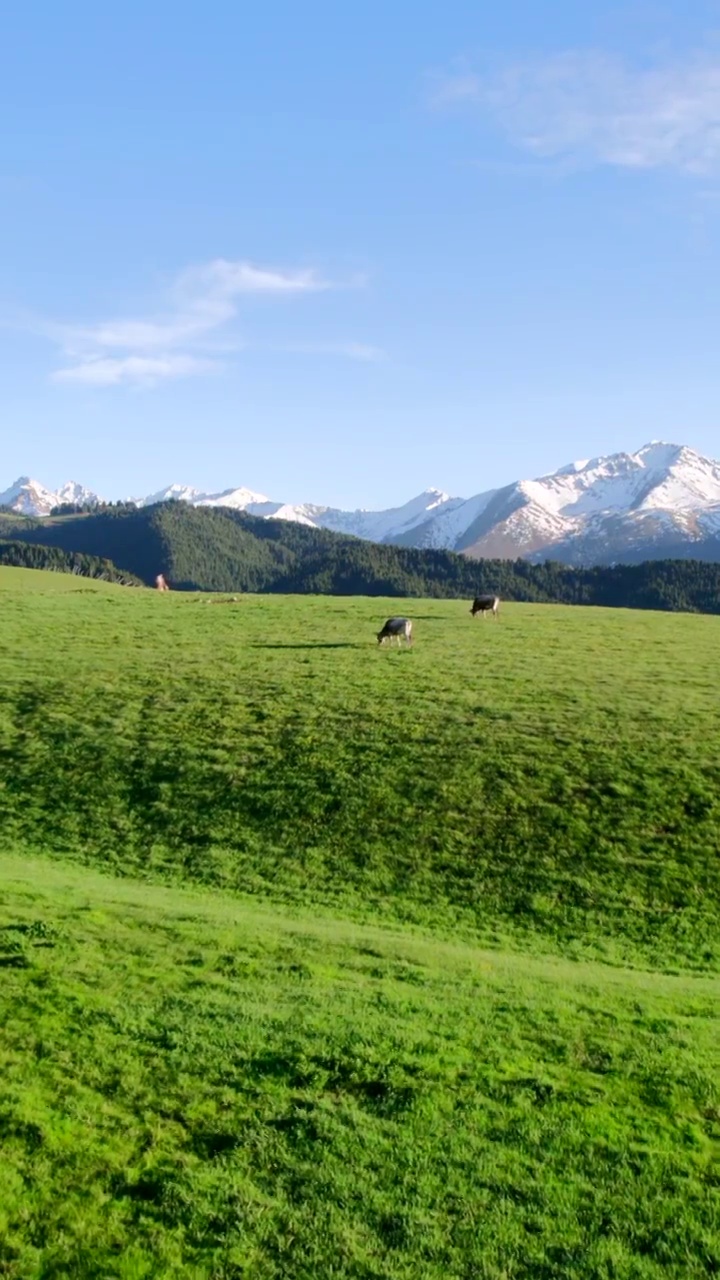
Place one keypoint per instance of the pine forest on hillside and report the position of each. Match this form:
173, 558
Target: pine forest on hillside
217, 549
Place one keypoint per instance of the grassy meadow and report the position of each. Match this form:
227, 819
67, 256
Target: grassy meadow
555, 772
318, 960
199, 1087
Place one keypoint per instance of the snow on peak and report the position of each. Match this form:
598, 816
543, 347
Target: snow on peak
240, 499
435, 498
29, 497
684, 481
172, 492
657, 453
77, 493
572, 467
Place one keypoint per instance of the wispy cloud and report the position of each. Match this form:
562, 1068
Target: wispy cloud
141, 370
590, 107
362, 351
201, 307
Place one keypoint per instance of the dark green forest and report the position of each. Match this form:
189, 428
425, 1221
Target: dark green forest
24, 555
218, 549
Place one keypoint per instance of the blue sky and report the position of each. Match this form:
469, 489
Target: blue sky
343, 253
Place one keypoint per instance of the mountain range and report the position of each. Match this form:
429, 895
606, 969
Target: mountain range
217, 549
663, 500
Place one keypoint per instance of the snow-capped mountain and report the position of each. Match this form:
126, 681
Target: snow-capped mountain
241, 499
664, 499
375, 526
30, 498
392, 525
78, 494
613, 508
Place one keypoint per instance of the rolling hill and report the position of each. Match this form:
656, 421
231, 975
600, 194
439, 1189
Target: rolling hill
323, 960
26, 555
218, 549
584, 734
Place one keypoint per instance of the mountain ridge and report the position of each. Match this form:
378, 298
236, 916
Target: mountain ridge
217, 549
663, 499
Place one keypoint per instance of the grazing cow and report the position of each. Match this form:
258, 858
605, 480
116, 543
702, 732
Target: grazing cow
161, 584
485, 604
396, 627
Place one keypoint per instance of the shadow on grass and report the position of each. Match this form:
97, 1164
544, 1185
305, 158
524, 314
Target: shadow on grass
340, 644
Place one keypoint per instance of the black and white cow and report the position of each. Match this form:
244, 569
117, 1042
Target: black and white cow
397, 628
485, 604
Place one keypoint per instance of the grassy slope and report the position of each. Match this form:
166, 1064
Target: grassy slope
196, 1084
554, 772
200, 1087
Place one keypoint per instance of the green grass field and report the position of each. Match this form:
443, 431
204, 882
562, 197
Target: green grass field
198, 1087
323, 961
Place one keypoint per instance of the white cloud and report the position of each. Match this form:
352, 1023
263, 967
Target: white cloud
202, 301
352, 350
142, 370
204, 298
228, 279
592, 108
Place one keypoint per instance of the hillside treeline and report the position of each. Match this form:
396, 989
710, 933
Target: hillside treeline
217, 549
23, 555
